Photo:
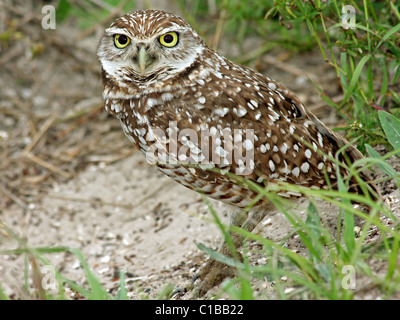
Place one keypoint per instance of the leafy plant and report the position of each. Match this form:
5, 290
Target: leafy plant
366, 56
36, 259
391, 126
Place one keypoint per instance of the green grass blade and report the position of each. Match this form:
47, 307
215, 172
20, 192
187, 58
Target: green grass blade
355, 78
314, 231
306, 274
244, 275
301, 262
122, 293
393, 260
97, 292
382, 164
165, 292
3, 295
385, 81
391, 127
388, 35
344, 71
245, 292
219, 256
348, 219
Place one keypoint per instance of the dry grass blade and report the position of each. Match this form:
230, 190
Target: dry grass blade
46, 126
47, 165
289, 68
114, 204
27, 153
13, 197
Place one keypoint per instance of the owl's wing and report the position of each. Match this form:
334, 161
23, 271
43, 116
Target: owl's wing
288, 143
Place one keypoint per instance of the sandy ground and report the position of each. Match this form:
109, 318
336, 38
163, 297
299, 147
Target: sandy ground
69, 177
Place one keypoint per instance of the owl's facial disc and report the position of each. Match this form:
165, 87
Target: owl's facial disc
142, 50
146, 56
138, 55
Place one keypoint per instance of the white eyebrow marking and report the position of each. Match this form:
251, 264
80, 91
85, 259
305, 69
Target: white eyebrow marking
112, 31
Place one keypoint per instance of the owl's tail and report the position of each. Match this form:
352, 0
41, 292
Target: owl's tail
351, 154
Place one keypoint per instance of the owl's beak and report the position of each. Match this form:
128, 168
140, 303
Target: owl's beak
143, 59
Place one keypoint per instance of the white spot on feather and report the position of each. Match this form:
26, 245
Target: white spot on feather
296, 172
271, 165
305, 167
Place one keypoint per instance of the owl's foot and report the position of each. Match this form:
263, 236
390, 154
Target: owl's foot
211, 275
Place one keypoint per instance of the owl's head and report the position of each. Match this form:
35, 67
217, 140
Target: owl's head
145, 47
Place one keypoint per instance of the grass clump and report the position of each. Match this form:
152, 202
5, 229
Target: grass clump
360, 40
334, 265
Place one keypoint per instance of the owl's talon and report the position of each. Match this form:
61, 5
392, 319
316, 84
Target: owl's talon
194, 279
181, 292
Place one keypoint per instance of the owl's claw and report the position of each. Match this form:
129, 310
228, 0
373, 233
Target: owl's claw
194, 279
178, 291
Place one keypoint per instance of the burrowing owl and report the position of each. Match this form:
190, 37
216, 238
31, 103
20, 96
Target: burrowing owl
201, 118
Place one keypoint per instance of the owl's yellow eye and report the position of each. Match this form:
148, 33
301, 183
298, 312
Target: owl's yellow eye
121, 41
169, 39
